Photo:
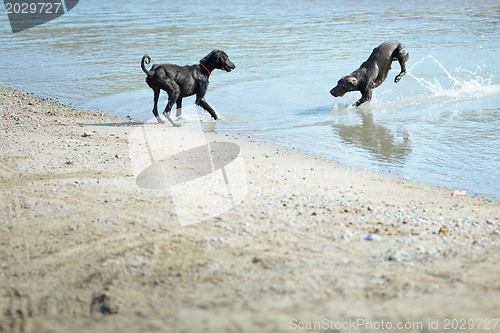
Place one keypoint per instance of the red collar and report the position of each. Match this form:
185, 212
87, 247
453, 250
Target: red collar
205, 69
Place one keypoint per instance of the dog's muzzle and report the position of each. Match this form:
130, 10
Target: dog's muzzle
229, 67
334, 93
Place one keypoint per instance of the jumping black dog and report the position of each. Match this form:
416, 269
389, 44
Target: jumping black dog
373, 71
184, 81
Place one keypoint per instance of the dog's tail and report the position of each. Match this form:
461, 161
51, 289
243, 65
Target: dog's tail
146, 60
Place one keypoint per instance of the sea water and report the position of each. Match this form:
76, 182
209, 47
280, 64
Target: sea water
440, 124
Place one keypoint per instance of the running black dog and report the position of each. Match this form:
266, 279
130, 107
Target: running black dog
183, 81
373, 71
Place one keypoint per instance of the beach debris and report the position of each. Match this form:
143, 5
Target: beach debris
216, 240
372, 237
350, 210
256, 260
346, 235
86, 134
458, 193
397, 255
443, 230
101, 304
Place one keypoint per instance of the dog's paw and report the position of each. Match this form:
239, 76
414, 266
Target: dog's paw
397, 78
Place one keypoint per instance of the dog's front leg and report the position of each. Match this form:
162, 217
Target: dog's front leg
403, 70
201, 102
366, 95
403, 56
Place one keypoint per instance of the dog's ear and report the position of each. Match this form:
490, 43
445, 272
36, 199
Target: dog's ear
352, 80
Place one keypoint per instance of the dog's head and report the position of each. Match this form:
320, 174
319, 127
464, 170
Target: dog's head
345, 84
218, 59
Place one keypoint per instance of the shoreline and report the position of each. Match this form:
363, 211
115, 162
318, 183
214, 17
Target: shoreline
127, 119
83, 248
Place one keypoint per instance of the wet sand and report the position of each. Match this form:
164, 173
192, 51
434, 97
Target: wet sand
84, 249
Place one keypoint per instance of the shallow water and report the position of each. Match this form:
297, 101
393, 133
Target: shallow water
440, 124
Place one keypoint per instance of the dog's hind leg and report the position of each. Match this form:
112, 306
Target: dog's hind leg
173, 95
402, 56
179, 107
167, 115
155, 106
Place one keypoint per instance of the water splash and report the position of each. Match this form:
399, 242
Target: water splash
471, 85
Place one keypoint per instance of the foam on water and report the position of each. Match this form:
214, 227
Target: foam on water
472, 85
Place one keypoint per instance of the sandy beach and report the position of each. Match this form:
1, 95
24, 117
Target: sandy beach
313, 244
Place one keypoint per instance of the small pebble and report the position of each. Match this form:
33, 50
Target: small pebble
346, 235
373, 237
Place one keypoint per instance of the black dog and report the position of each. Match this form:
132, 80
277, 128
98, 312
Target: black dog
183, 81
373, 71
